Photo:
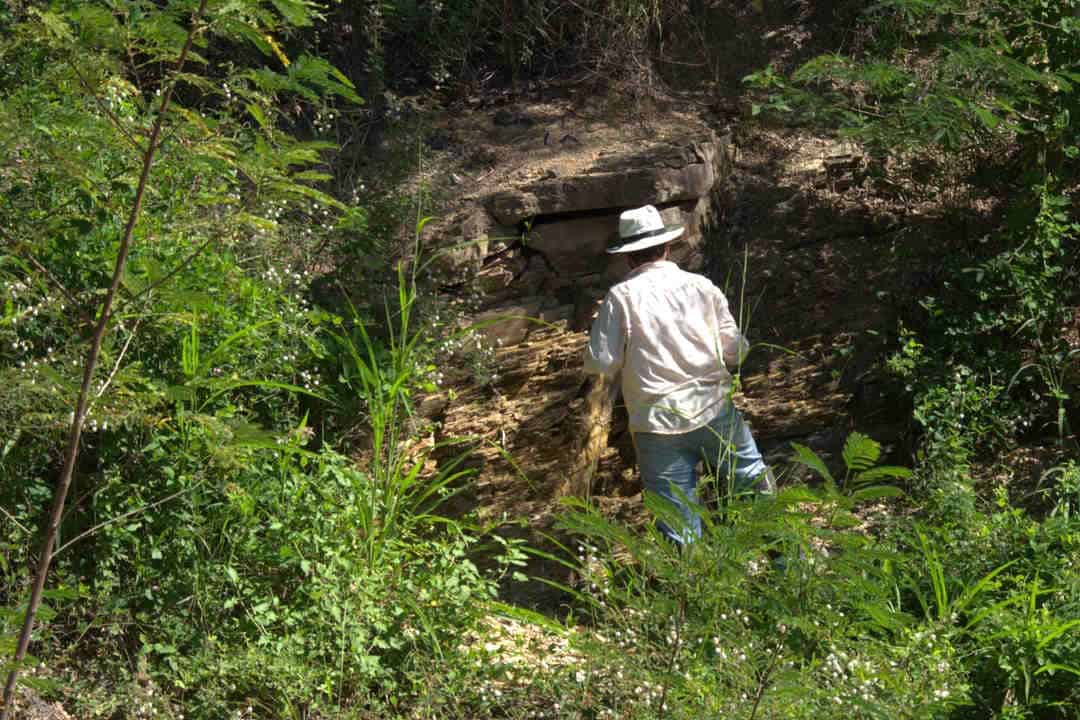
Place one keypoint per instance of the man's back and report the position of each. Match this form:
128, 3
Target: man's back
670, 333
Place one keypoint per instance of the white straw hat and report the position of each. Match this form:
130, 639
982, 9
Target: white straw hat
642, 228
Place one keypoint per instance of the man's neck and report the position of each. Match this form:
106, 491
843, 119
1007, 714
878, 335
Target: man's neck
637, 269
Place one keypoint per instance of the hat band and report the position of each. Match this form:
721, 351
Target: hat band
642, 236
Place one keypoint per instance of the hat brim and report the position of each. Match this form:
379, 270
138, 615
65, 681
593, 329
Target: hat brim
673, 231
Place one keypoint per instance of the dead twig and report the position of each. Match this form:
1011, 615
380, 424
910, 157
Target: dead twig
125, 516
104, 108
18, 247
120, 359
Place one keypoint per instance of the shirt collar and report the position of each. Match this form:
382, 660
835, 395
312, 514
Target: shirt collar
654, 265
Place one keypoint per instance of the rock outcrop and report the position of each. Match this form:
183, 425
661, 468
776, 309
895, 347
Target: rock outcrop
536, 253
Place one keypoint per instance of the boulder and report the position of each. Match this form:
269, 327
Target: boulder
616, 190
577, 246
559, 313
510, 324
662, 175
537, 272
537, 293
574, 246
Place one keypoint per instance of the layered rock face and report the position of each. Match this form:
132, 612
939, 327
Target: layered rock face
537, 252
538, 249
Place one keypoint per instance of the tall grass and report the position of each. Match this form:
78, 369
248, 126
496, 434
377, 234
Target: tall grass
402, 493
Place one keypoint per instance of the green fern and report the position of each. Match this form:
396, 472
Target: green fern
861, 454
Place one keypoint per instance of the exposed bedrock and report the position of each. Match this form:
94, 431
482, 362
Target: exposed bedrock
659, 175
537, 252
543, 243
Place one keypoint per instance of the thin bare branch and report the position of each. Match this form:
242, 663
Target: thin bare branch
119, 359
19, 248
107, 110
15, 522
125, 516
172, 273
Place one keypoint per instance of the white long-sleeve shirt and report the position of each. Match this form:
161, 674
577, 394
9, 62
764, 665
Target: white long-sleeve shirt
672, 336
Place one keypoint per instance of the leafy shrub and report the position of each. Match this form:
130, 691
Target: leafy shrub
948, 77
210, 549
784, 608
962, 88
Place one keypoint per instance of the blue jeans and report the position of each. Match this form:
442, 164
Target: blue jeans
669, 466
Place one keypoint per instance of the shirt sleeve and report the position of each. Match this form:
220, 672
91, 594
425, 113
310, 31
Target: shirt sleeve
732, 343
607, 340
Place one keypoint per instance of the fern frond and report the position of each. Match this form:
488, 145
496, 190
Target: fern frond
809, 458
860, 452
892, 472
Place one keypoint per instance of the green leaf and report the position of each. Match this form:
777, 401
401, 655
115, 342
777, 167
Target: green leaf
531, 617
40, 684
885, 616
45, 613
230, 385
860, 452
1057, 632
294, 12
845, 520
298, 191
61, 593
973, 591
257, 112
55, 25
797, 495
57, 379
883, 472
876, 492
809, 458
180, 393
1052, 667
989, 119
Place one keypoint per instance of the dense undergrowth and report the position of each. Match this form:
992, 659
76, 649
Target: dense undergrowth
254, 527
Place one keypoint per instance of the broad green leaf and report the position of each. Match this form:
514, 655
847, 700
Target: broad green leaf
1056, 667
876, 492
295, 12
883, 472
989, 119
809, 458
257, 112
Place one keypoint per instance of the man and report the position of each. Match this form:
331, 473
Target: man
671, 335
